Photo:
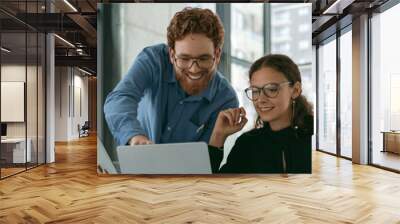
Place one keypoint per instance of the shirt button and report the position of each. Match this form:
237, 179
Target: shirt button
169, 128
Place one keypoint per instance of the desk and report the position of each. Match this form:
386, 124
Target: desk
13, 150
391, 141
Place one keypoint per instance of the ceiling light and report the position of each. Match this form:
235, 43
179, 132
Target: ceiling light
5, 50
70, 5
65, 41
337, 7
84, 71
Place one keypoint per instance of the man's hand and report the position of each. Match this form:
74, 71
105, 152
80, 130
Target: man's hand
140, 140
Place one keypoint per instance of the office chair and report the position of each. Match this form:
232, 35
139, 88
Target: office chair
84, 130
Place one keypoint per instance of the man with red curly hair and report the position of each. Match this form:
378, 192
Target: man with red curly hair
173, 93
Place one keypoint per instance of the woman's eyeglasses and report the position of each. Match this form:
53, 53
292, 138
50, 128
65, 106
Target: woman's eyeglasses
271, 90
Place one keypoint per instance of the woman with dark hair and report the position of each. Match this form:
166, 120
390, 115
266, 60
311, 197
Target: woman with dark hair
281, 141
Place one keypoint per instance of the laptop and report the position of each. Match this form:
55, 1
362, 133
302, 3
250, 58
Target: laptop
177, 158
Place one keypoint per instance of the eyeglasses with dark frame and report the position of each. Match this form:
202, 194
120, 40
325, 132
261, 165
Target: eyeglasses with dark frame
270, 90
187, 63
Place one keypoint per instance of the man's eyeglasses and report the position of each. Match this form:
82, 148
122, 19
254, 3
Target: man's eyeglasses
271, 90
187, 63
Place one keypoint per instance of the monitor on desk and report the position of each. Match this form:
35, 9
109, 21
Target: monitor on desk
3, 130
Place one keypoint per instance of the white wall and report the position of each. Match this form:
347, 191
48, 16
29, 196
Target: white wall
17, 73
14, 73
33, 126
61, 103
70, 83
79, 117
12, 101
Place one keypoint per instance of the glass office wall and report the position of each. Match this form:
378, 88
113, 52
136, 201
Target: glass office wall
247, 27
35, 87
22, 93
346, 93
41, 97
327, 96
13, 87
31, 97
385, 89
41, 88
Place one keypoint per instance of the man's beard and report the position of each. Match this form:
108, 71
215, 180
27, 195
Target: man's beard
191, 84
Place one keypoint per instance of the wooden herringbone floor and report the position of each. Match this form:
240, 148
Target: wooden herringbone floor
70, 191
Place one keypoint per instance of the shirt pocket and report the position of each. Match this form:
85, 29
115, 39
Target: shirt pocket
194, 131
202, 121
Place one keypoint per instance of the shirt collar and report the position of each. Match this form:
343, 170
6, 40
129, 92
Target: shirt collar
168, 71
211, 89
170, 76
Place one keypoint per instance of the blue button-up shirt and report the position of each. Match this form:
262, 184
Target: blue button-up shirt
149, 101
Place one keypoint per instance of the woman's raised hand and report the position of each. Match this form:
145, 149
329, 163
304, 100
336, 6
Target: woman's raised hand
228, 122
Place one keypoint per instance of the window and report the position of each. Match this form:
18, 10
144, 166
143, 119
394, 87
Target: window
304, 44
394, 102
304, 27
282, 15
385, 88
210, 6
285, 36
247, 45
302, 12
346, 94
327, 97
250, 34
283, 48
247, 30
284, 32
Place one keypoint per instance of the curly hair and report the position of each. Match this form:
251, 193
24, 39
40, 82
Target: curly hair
195, 21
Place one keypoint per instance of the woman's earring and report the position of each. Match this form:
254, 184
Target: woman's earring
293, 105
293, 110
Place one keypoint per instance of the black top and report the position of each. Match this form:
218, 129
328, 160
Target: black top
266, 151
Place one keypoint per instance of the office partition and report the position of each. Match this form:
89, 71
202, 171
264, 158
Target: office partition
22, 77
